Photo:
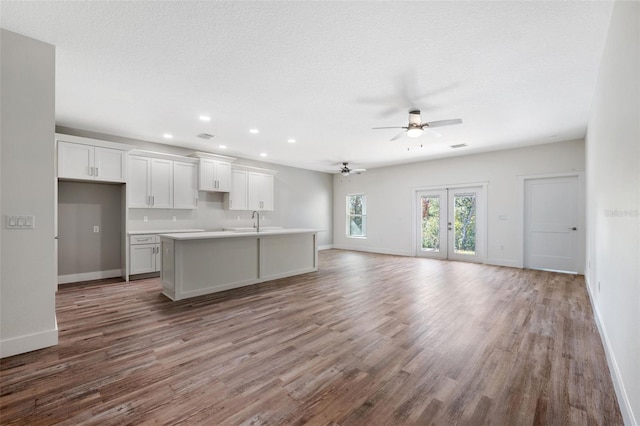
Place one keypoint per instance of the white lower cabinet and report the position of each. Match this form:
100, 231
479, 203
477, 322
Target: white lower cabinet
144, 254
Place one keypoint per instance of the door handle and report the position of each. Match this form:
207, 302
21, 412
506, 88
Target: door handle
573, 229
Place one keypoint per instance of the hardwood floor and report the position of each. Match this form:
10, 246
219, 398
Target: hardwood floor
367, 340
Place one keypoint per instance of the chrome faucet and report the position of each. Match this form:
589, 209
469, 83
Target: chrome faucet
253, 216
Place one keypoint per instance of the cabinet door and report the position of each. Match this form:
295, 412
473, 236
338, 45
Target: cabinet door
185, 185
139, 185
267, 191
238, 190
223, 176
143, 258
75, 161
260, 191
207, 175
109, 164
161, 183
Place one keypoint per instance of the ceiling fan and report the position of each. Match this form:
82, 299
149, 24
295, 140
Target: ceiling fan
346, 171
416, 126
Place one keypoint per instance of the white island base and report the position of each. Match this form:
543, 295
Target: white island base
200, 263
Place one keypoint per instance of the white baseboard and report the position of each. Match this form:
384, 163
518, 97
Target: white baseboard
503, 262
616, 377
28, 343
325, 247
88, 276
376, 250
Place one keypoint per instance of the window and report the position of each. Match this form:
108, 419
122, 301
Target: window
357, 216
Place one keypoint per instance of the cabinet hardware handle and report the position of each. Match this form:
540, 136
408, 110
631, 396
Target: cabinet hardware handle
90, 171
196, 201
153, 200
96, 171
573, 228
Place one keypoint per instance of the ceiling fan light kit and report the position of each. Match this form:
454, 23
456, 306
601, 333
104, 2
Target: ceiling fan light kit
416, 127
414, 132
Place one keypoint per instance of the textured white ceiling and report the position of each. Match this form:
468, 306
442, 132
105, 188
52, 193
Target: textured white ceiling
324, 73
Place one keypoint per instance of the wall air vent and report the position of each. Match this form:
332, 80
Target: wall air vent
460, 145
205, 136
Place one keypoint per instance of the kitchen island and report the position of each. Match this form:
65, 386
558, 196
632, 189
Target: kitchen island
200, 263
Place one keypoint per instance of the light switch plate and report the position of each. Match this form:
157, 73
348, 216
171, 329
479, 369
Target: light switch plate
20, 222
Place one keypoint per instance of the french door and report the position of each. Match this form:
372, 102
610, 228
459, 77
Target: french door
450, 223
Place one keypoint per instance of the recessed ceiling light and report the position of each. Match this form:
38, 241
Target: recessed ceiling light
222, 146
291, 141
205, 118
167, 136
254, 131
264, 154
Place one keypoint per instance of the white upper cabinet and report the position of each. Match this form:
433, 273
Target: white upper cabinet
215, 175
139, 186
162, 181
260, 190
150, 183
185, 185
252, 188
88, 161
237, 197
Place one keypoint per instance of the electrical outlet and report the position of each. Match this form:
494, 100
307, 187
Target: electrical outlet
173, 218
598, 286
96, 229
145, 218
238, 218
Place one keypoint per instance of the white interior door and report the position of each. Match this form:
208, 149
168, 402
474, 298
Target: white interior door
450, 224
551, 224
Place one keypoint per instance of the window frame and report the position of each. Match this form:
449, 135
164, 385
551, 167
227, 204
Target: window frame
349, 215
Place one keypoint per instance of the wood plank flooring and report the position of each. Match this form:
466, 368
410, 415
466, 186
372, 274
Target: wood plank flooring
367, 340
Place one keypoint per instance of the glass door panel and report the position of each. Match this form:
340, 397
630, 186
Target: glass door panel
432, 222
464, 230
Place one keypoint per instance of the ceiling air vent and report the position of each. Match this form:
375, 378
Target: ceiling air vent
460, 145
205, 136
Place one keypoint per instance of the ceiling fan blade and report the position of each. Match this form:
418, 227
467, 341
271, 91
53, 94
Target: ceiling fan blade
394, 127
443, 123
399, 135
428, 131
358, 170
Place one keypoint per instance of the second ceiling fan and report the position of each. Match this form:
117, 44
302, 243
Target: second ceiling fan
416, 127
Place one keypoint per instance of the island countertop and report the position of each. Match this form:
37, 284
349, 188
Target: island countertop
237, 234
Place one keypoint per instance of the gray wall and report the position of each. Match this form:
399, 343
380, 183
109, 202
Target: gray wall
303, 198
27, 115
81, 206
613, 204
391, 219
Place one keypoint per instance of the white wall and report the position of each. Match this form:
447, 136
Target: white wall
613, 204
27, 281
303, 198
390, 192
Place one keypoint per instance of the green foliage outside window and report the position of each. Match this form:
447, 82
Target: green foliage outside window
356, 215
431, 223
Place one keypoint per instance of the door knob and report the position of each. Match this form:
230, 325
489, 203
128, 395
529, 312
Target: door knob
573, 229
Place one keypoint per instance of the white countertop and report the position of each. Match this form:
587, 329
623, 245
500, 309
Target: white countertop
163, 231
236, 234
